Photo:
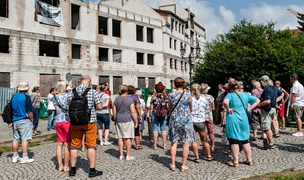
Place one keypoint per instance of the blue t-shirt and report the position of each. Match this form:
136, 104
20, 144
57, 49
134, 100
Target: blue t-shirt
271, 93
21, 104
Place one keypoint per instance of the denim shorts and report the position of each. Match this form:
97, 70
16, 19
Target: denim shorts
103, 119
22, 130
159, 123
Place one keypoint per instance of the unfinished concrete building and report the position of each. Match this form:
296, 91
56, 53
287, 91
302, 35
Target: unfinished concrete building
119, 41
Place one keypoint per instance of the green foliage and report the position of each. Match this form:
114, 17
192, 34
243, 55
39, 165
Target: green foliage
249, 51
52, 138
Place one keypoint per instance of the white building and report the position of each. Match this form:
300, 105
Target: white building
119, 41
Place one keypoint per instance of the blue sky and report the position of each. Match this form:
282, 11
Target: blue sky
219, 16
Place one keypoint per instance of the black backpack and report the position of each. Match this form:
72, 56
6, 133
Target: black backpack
79, 111
7, 114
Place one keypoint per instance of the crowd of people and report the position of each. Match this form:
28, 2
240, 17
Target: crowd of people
184, 116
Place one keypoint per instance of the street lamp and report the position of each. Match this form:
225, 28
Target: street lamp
189, 58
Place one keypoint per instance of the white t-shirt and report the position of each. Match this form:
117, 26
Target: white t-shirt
148, 105
50, 102
103, 98
198, 109
298, 89
142, 105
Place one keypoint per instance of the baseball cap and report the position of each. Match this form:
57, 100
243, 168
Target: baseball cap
23, 86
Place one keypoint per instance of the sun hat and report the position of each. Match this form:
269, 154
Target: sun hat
23, 86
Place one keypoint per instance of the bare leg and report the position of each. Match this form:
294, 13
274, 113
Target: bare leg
82, 143
100, 135
299, 124
164, 136
92, 157
173, 152
283, 122
275, 124
247, 150
269, 136
59, 155
66, 155
235, 149
15, 146
73, 157
203, 136
195, 150
120, 146
128, 144
185, 153
106, 135
24, 147
155, 137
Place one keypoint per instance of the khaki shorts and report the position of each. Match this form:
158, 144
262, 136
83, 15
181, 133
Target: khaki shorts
298, 111
125, 130
267, 117
90, 132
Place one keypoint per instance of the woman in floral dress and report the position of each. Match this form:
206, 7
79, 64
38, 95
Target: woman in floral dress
180, 126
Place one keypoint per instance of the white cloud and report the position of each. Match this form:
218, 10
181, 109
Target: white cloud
219, 21
275, 13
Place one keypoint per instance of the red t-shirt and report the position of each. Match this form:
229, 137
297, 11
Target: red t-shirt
108, 92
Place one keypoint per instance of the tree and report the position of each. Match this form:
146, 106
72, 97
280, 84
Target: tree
301, 21
249, 51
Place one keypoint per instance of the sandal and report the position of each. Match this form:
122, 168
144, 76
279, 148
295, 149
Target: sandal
276, 135
66, 169
209, 158
60, 169
196, 160
184, 168
138, 147
172, 167
253, 138
233, 164
249, 163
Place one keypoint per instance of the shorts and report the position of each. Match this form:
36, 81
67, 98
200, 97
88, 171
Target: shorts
103, 119
159, 123
267, 117
256, 118
63, 132
298, 111
125, 130
235, 141
199, 126
22, 130
281, 111
90, 132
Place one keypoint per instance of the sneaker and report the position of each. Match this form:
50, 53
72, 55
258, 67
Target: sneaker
265, 144
298, 134
26, 160
107, 143
72, 172
121, 158
15, 159
128, 158
102, 143
95, 173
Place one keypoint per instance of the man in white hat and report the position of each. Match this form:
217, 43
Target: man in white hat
22, 123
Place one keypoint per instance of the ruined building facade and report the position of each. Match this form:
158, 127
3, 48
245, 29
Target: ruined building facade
119, 41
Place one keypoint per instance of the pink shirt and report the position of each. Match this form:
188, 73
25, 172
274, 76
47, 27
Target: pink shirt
257, 93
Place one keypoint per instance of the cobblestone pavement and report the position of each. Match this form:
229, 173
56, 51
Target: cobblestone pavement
154, 164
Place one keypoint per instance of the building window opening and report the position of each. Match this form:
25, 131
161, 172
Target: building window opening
4, 47
117, 81
102, 25
141, 82
139, 33
52, 2
140, 58
182, 65
48, 48
76, 51
170, 43
171, 63
150, 35
175, 64
150, 59
186, 64
4, 8
116, 55
75, 16
116, 28
103, 54
172, 24
175, 44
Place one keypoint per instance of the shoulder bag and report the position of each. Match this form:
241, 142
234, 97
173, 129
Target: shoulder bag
247, 113
169, 115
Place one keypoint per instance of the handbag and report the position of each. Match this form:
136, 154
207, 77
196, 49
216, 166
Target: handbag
169, 114
112, 118
247, 113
